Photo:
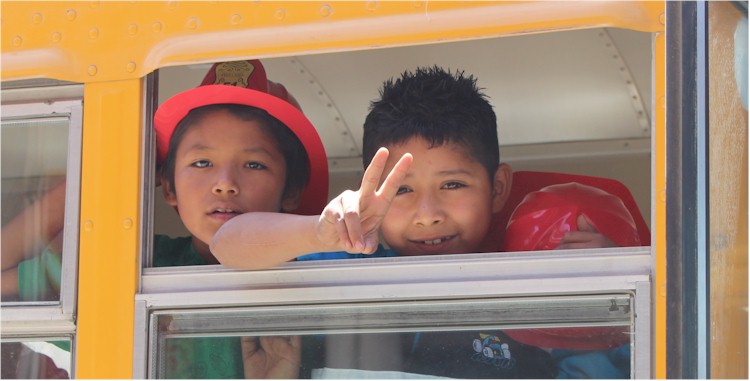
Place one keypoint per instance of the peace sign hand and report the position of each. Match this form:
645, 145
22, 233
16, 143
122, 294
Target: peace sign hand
351, 221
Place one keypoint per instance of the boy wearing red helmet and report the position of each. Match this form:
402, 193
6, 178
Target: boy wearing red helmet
238, 143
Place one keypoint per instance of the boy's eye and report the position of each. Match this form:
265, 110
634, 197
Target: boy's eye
402, 190
201, 164
453, 185
255, 165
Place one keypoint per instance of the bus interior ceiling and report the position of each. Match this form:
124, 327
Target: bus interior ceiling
573, 101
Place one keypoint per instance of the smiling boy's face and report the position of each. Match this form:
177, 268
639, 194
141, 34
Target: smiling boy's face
445, 203
225, 166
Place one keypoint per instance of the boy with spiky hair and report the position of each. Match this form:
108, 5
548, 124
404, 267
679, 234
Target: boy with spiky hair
434, 132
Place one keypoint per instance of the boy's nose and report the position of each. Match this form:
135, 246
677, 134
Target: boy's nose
428, 211
225, 186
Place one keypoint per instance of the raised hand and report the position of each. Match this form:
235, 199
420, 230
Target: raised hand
271, 356
351, 221
586, 237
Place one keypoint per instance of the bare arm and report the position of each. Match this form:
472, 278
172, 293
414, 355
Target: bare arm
350, 222
33, 228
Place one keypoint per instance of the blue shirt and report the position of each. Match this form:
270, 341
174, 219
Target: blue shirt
379, 253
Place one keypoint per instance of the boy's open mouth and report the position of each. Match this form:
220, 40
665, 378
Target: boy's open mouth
226, 211
436, 241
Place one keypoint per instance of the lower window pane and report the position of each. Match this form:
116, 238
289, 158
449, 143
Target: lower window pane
494, 354
36, 359
540, 338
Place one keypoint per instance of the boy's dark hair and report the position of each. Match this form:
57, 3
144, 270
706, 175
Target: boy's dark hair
435, 105
295, 155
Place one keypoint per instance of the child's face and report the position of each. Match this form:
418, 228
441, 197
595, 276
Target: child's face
225, 166
445, 203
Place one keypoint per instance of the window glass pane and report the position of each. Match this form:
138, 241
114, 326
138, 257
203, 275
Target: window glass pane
34, 159
542, 338
36, 359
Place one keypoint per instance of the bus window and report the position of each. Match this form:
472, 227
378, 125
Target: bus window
41, 142
404, 315
548, 119
36, 359
41, 160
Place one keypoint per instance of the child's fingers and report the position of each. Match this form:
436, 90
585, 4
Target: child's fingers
584, 240
371, 178
392, 183
354, 231
343, 234
584, 225
352, 225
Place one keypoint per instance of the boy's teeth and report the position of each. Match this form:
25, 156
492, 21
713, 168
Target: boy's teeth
434, 241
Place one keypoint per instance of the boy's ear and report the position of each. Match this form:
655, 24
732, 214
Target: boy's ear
169, 195
501, 184
291, 200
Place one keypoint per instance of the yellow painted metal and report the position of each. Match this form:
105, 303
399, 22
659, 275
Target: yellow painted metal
108, 262
659, 210
109, 46
98, 41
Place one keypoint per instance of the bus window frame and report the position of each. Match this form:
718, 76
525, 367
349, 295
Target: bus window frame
53, 102
52, 320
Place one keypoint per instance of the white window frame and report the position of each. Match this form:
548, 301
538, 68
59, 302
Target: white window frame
51, 320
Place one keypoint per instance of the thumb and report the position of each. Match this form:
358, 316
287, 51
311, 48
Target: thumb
584, 225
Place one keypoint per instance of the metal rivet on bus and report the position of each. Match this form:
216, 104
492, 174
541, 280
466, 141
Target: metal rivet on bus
92, 70
56, 37
132, 29
662, 102
88, 226
417, 4
127, 223
192, 23
235, 19
663, 19
71, 14
93, 33
663, 195
17, 40
279, 14
663, 290
372, 6
130, 67
156, 27
94, 3
326, 10
37, 18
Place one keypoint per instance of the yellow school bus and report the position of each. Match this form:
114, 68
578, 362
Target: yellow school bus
652, 94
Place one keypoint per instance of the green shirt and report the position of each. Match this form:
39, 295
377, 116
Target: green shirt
39, 277
195, 357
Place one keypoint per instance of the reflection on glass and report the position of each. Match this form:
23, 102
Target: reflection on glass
34, 155
35, 359
581, 352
